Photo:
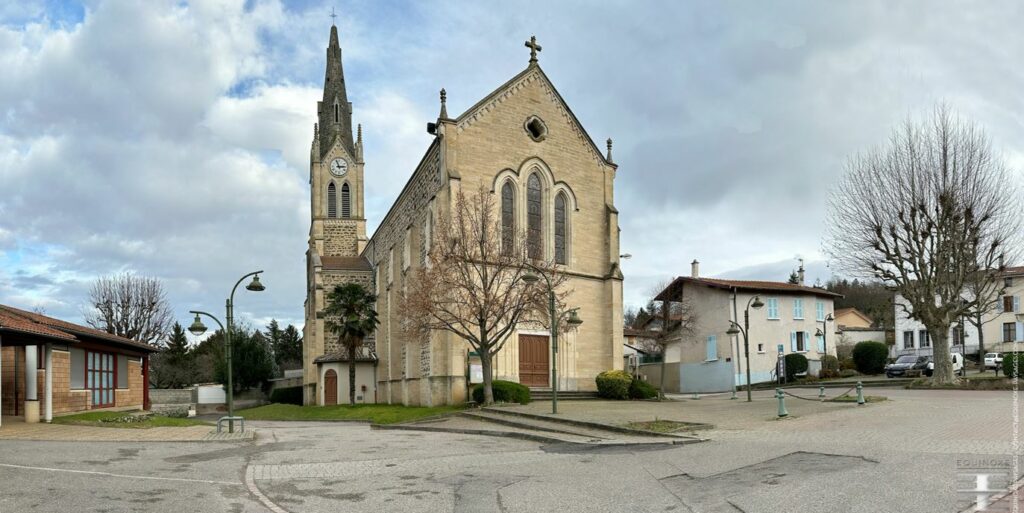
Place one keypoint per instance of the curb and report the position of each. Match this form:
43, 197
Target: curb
513, 423
484, 432
605, 427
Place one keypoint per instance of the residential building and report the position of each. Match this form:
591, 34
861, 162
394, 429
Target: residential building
854, 326
1002, 326
852, 318
50, 367
706, 358
521, 143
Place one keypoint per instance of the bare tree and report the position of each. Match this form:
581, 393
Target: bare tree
678, 321
988, 291
474, 287
926, 214
130, 306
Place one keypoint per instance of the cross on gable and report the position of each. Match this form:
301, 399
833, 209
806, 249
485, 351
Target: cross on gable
534, 48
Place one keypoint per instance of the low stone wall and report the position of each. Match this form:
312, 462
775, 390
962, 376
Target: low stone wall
171, 399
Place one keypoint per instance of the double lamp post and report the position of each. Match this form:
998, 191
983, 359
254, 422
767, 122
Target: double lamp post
570, 317
198, 328
736, 329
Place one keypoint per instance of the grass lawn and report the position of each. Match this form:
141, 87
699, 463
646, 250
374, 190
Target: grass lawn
664, 426
120, 419
375, 413
852, 399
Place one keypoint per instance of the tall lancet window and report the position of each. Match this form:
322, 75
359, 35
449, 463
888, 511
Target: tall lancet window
560, 229
336, 112
332, 201
508, 218
535, 245
346, 203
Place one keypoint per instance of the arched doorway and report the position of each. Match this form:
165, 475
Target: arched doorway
330, 387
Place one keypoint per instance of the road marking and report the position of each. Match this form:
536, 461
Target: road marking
250, 483
108, 474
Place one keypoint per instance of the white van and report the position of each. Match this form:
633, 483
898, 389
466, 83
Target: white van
958, 364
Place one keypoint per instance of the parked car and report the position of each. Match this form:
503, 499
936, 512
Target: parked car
958, 364
993, 360
905, 365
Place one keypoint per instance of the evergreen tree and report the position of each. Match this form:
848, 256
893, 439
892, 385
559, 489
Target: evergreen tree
173, 367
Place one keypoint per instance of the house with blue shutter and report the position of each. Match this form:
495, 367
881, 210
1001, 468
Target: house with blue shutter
701, 356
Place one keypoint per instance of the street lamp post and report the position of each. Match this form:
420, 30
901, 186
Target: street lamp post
735, 329
572, 320
197, 328
823, 332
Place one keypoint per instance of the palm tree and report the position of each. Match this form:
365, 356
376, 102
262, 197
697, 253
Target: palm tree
352, 317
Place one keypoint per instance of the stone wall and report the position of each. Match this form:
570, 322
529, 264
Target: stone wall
341, 237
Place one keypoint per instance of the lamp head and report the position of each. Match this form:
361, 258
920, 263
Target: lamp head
733, 330
197, 328
530, 278
819, 332
255, 285
757, 302
829, 318
574, 319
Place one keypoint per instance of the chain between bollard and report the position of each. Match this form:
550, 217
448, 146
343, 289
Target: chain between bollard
817, 399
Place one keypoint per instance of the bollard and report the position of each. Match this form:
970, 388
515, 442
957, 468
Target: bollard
860, 394
733, 393
782, 402
695, 396
821, 392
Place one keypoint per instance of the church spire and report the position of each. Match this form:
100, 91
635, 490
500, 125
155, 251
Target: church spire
335, 110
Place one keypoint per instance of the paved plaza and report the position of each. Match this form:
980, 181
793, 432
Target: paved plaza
903, 455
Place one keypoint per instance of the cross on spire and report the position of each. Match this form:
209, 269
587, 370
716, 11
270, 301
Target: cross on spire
333, 15
534, 48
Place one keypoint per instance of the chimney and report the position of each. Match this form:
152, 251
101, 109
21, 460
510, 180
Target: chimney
800, 273
695, 269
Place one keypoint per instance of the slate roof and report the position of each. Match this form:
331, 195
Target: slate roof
31, 323
745, 285
344, 263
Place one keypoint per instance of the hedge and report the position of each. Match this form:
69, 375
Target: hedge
1008, 359
640, 389
870, 357
287, 395
504, 392
796, 363
614, 384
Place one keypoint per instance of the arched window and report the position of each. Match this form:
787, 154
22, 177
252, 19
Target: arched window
508, 218
332, 201
560, 229
346, 204
535, 245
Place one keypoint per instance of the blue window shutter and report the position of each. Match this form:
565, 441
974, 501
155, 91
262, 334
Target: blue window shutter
821, 344
807, 341
712, 348
1020, 331
1016, 303
792, 340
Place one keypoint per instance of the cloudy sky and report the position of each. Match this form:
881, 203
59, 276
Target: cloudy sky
172, 138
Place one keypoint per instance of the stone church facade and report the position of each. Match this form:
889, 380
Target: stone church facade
521, 143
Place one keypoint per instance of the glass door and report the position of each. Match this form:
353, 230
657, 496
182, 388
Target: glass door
100, 378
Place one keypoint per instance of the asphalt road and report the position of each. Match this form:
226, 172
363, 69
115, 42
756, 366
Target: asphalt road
855, 460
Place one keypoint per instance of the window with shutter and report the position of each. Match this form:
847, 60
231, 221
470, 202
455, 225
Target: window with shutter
819, 310
821, 343
908, 340
798, 308
924, 339
773, 308
346, 204
1008, 303
711, 348
332, 201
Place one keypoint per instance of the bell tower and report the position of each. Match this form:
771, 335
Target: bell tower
338, 227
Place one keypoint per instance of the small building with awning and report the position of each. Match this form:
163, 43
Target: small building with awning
51, 367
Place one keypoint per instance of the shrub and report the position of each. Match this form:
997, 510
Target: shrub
504, 392
829, 362
870, 357
1008, 359
848, 373
614, 384
795, 364
847, 364
828, 374
287, 395
640, 389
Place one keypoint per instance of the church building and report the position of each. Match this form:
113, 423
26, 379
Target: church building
521, 143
